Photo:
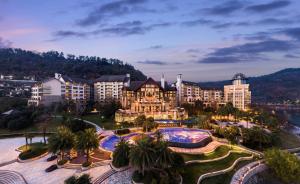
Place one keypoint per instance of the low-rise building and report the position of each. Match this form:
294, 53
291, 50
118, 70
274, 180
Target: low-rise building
238, 93
109, 87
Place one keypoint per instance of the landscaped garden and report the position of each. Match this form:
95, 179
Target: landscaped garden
194, 170
219, 152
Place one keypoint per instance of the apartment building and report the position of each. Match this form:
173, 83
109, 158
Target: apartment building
59, 88
109, 87
238, 93
189, 92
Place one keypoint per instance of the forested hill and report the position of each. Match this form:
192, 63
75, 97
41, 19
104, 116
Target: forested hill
276, 87
42, 65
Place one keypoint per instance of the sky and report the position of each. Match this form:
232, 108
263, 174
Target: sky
204, 40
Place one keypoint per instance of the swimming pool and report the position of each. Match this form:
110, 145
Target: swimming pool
186, 137
177, 137
109, 143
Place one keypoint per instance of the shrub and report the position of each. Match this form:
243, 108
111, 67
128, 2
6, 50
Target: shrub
83, 179
32, 153
285, 165
53, 157
122, 131
86, 164
62, 162
51, 168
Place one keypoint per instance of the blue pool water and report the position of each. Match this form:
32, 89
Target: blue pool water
184, 135
110, 142
172, 135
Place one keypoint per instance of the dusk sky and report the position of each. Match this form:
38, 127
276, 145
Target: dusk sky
205, 40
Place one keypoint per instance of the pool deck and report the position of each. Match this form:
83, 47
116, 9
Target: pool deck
210, 147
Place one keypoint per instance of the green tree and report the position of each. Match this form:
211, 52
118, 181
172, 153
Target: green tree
285, 165
87, 141
142, 155
63, 140
139, 121
149, 124
164, 155
121, 154
83, 179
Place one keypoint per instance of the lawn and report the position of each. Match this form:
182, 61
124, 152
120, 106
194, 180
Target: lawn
107, 124
193, 171
225, 178
288, 140
219, 152
33, 150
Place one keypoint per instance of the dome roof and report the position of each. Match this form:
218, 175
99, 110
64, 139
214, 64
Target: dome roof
239, 76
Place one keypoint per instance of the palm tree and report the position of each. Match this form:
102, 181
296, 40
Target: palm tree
164, 155
142, 155
62, 141
158, 136
87, 141
121, 154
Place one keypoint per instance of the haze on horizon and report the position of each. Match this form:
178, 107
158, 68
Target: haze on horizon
202, 39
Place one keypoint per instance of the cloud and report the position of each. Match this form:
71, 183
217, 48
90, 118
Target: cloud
248, 51
70, 34
291, 56
121, 29
156, 47
261, 8
275, 21
225, 8
292, 32
5, 43
151, 62
193, 51
213, 23
113, 9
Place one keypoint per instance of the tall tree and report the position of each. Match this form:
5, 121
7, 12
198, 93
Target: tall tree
121, 154
63, 140
87, 141
142, 155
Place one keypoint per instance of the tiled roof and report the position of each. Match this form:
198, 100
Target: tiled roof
112, 78
74, 79
135, 85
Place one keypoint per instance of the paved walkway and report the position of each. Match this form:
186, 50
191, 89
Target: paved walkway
208, 148
34, 172
11, 177
8, 146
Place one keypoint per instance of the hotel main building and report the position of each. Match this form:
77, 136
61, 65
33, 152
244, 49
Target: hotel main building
149, 98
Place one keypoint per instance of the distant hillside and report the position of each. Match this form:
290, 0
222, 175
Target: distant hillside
24, 63
276, 87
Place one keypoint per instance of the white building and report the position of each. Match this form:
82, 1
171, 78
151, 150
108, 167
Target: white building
238, 93
109, 87
60, 88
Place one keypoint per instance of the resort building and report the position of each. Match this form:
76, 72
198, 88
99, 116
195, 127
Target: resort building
109, 87
190, 92
60, 88
213, 97
238, 93
149, 98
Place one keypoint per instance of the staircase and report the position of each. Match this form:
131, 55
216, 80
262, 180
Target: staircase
103, 177
11, 177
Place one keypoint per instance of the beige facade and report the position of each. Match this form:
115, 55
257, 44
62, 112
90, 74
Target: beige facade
149, 98
238, 93
109, 87
60, 88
